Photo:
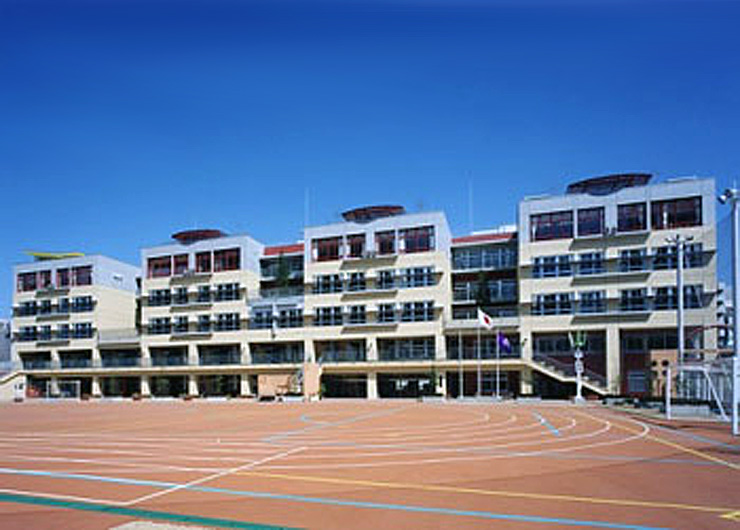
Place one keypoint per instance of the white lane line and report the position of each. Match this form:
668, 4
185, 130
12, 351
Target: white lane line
58, 496
208, 478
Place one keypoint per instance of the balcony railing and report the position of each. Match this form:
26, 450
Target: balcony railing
219, 359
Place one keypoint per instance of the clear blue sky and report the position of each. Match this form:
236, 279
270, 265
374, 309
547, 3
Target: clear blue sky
124, 121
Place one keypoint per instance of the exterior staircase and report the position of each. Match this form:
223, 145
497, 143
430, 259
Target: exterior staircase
566, 373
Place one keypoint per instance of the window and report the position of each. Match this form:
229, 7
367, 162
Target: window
63, 306
502, 290
633, 300
45, 307
290, 318
356, 243
552, 266
203, 262
27, 309
181, 324
591, 263
82, 303
82, 330
181, 295
406, 349
385, 242
329, 316
591, 221
181, 264
159, 326
693, 256
632, 260
357, 314
159, 267
226, 292
227, 321
667, 297
553, 304
204, 293
592, 302
44, 333
261, 317
63, 331
417, 311
676, 213
226, 260
498, 257
631, 217
386, 312
327, 249
160, 297
665, 258
386, 279
328, 283
26, 281
45, 279
82, 275
556, 225
27, 333
204, 323
417, 239
356, 281
693, 296
636, 381
416, 277
63, 277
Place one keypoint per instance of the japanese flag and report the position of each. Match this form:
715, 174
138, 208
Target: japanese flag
485, 320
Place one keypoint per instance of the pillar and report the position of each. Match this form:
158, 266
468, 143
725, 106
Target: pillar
54, 357
146, 360
54, 387
372, 385
192, 355
613, 360
371, 350
145, 387
192, 385
245, 387
441, 383
309, 354
246, 354
526, 382
96, 387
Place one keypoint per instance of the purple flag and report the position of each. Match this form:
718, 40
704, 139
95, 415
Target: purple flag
503, 343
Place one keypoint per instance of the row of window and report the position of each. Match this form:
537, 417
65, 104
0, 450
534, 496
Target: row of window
389, 242
490, 291
386, 279
205, 294
204, 324
68, 277
667, 214
78, 304
498, 257
79, 330
204, 263
585, 302
630, 260
386, 313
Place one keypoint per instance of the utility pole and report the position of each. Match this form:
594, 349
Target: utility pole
732, 195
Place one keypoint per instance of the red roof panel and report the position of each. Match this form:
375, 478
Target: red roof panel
295, 248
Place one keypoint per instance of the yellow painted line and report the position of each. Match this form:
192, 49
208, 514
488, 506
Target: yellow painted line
732, 516
674, 445
493, 493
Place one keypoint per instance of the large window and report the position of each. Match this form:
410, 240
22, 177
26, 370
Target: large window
227, 291
676, 213
159, 297
417, 239
416, 277
592, 302
226, 260
203, 262
556, 225
45, 279
26, 281
386, 279
406, 349
417, 311
261, 317
632, 217
327, 249
633, 259
552, 304
386, 312
81, 304
357, 314
591, 221
159, 267
667, 297
290, 318
328, 283
329, 316
552, 266
385, 242
494, 257
181, 264
82, 330
356, 282
666, 257
633, 300
227, 322
590, 263
63, 278
356, 243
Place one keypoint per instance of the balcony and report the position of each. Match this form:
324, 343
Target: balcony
219, 359
118, 337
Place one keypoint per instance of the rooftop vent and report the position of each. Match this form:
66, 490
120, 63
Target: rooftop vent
186, 237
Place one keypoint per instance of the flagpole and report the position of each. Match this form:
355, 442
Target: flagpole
498, 359
478, 387
460, 378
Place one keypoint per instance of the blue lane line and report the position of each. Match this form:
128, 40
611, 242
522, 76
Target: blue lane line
546, 423
335, 502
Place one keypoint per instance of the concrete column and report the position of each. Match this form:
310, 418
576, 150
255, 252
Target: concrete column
95, 357
192, 385
309, 354
96, 387
192, 354
145, 387
146, 358
372, 385
527, 344
54, 387
440, 348
613, 360
245, 387
246, 354
441, 383
371, 349
55, 362
526, 382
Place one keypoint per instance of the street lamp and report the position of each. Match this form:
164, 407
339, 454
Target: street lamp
731, 195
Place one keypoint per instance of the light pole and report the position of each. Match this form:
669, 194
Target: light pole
680, 242
731, 195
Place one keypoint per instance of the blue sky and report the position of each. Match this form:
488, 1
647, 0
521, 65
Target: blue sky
122, 122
